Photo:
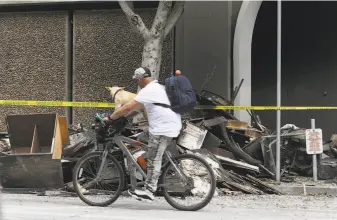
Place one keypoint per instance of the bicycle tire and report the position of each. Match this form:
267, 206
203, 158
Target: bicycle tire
209, 196
120, 185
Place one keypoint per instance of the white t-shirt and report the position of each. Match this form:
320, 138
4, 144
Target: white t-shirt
162, 121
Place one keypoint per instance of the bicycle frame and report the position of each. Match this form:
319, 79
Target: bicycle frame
119, 140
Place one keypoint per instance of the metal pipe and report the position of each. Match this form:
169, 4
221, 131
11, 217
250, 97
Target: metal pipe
282, 135
69, 66
278, 113
314, 156
266, 170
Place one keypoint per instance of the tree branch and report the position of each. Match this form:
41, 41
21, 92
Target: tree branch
159, 23
130, 4
134, 19
177, 11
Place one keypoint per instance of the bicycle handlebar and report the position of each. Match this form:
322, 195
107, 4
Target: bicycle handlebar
116, 125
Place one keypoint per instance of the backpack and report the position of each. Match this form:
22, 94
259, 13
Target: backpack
180, 93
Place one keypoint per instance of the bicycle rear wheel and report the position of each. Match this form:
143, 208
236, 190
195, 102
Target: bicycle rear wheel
201, 182
110, 184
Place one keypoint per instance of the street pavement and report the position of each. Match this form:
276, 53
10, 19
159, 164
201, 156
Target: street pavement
33, 207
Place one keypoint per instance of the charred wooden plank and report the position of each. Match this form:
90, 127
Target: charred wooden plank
237, 163
224, 184
262, 185
246, 188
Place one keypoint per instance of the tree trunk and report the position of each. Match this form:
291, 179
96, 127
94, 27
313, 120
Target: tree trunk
151, 57
165, 19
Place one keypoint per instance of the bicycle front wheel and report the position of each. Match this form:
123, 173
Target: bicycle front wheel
89, 187
198, 188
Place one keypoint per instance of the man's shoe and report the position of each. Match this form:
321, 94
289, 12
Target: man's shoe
142, 194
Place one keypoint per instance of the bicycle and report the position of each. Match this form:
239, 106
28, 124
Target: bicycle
116, 157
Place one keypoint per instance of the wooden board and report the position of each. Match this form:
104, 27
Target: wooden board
31, 171
263, 186
62, 120
235, 124
35, 148
236, 163
57, 148
245, 188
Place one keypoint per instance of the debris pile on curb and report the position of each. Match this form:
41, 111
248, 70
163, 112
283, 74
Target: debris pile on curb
5, 146
81, 142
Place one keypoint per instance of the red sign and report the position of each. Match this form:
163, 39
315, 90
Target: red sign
314, 142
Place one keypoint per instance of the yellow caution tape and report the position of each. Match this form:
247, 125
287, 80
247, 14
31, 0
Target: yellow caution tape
111, 105
58, 103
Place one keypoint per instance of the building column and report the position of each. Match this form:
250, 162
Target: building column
242, 46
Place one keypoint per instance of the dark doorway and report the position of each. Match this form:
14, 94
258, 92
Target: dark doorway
309, 62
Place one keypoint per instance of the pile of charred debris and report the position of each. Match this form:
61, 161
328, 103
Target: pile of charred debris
242, 155
235, 150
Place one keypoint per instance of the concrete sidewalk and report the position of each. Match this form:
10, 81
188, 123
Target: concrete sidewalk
306, 186
300, 186
308, 190
264, 207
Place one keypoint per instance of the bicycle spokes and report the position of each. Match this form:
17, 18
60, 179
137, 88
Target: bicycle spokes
98, 177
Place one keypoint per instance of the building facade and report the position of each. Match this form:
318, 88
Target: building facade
71, 51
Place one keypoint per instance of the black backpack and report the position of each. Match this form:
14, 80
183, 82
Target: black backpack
180, 93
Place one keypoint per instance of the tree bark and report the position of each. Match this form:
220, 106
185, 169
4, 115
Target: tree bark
177, 11
152, 53
152, 50
164, 21
159, 23
134, 19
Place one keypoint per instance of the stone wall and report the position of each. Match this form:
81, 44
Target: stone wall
32, 60
106, 52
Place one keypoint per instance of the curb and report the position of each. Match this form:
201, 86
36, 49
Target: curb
308, 190
294, 190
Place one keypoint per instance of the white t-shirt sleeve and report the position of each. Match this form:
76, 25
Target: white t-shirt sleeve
144, 96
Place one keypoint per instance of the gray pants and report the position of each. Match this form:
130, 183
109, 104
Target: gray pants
156, 148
